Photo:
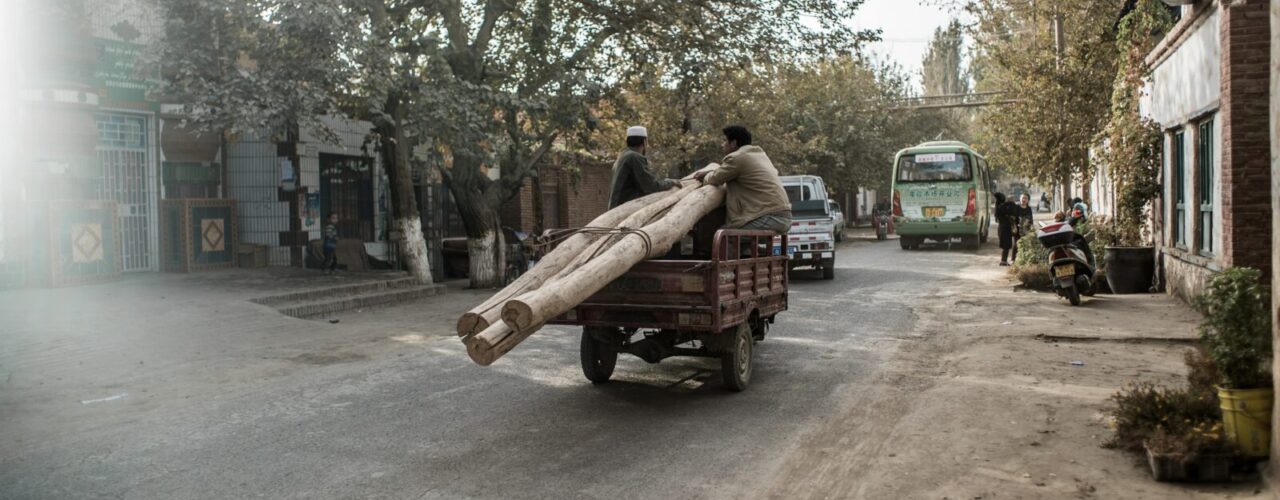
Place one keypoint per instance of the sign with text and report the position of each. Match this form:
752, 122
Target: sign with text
936, 158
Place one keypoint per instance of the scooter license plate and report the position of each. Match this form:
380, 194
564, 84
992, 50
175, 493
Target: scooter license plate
1064, 271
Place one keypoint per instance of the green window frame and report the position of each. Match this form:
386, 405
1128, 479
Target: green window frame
1179, 160
1204, 163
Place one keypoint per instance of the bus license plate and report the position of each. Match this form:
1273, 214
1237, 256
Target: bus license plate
934, 211
1064, 271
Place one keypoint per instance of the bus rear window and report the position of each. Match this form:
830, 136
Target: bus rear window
934, 167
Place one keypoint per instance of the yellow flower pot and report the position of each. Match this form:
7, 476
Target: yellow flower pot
1246, 418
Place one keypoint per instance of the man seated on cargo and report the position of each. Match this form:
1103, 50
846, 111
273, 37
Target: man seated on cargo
631, 175
754, 196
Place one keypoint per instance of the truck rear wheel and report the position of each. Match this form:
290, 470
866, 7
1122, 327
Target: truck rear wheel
598, 357
829, 269
735, 361
904, 242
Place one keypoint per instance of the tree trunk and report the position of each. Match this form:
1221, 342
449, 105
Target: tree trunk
480, 217
485, 259
404, 203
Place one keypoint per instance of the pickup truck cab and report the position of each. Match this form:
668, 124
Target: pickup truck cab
838, 220
811, 242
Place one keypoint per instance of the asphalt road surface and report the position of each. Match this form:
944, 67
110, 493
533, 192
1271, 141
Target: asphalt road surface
417, 419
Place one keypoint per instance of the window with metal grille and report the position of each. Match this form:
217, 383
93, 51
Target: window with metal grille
1204, 162
1179, 159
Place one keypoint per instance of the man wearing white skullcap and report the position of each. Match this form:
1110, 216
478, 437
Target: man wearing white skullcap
631, 175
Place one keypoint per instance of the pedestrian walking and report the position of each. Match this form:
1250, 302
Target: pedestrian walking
330, 244
1006, 218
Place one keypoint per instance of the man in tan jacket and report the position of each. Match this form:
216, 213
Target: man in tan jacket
754, 198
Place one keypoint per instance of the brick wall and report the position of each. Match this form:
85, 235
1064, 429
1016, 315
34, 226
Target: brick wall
568, 199
1246, 169
586, 197
1275, 236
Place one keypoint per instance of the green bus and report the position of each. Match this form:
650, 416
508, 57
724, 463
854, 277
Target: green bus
941, 191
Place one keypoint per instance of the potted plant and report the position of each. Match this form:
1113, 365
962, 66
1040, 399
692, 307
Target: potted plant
1198, 453
1236, 332
1132, 153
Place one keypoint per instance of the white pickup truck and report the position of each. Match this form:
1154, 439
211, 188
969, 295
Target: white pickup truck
811, 242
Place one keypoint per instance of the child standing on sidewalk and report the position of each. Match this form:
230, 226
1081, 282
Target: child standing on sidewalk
330, 244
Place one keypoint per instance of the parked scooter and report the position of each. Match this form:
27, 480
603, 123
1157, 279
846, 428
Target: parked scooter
1070, 266
881, 220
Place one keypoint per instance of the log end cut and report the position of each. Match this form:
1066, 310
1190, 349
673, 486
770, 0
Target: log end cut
518, 314
479, 352
471, 324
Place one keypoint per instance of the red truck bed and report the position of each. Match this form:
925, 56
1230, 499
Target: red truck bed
694, 295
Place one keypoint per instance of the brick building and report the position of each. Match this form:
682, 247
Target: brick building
572, 190
1275, 228
1209, 91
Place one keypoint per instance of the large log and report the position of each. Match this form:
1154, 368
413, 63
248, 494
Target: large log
486, 347
480, 317
535, 307
498, 338
640, 218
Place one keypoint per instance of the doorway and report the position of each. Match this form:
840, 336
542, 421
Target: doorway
128, 178
346, 189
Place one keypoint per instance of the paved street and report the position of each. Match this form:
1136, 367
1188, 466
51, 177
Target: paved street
385, 403
406, 414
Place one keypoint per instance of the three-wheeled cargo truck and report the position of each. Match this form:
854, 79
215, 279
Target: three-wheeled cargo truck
714, 295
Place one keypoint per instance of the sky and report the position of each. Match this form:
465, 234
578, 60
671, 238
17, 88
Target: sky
907, 26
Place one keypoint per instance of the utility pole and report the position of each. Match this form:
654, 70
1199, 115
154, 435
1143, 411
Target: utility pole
1059, 49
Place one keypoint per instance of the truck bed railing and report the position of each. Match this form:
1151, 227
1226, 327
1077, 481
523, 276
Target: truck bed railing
729, 244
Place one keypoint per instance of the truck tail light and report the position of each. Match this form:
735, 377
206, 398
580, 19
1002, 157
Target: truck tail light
897, 203
971, 208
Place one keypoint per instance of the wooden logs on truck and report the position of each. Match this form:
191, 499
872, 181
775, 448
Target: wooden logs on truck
583, 264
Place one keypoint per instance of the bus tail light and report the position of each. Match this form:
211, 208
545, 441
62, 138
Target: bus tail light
971, 208
897, 203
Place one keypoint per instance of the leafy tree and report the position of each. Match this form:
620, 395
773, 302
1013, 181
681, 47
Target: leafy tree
1131, 142
1061, 95
943, 73
832, 117
942, 68
480, 85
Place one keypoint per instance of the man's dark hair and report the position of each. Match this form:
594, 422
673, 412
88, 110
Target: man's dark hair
635, 141
738, 134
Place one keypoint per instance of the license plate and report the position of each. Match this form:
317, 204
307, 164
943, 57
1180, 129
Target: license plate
1064, 271
934, 211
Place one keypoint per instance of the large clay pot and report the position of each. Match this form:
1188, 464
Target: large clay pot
1129, 269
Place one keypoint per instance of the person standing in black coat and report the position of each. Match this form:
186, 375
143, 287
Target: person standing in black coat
1006, 218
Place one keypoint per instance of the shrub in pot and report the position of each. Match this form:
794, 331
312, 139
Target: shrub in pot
1236, 332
